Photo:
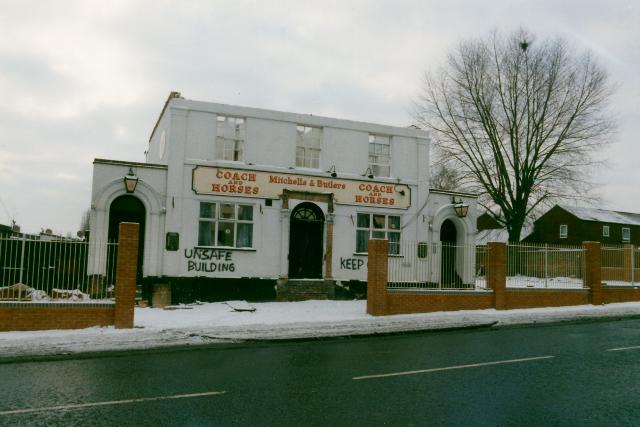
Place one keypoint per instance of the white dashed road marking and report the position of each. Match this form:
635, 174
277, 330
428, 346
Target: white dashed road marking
111, 402
450, 368
635, 347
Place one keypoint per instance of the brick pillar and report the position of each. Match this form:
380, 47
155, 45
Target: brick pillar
592, 271
126, 272
497, 272
377, 277
628, 263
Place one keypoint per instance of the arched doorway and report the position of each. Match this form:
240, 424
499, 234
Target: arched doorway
127, 208
306, 241
448, 238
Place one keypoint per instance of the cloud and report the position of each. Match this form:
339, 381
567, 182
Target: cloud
87, 79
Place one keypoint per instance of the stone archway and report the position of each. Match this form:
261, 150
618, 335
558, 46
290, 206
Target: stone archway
128, 208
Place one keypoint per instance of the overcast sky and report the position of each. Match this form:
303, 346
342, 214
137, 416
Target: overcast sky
84, 80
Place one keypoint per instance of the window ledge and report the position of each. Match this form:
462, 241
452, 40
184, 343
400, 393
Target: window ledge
367, 254
226, 248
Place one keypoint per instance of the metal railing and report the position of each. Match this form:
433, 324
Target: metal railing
620, 265
545, 266
54, 271
420, 265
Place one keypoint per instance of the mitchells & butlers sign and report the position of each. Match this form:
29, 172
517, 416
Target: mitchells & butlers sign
269, 185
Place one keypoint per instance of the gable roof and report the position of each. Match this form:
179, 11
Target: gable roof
602, 215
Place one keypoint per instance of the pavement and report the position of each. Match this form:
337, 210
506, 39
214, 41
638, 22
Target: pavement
161, 329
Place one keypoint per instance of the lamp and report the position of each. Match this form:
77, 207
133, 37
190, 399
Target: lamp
332, 171
368, 173
460, 207
130, 181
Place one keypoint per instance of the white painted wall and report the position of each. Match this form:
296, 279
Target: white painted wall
172, 205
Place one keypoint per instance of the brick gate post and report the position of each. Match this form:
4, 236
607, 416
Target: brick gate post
592, 271
497, 272
126, 272
377, 270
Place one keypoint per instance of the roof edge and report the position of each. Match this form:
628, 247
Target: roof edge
172, 95
126, 163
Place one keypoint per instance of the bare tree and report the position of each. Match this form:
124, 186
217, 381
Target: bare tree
84, 220
520, 120
444, 177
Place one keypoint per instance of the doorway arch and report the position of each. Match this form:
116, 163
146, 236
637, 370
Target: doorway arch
306, 246
127, 208
448, 255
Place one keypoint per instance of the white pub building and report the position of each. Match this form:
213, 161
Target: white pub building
253, 203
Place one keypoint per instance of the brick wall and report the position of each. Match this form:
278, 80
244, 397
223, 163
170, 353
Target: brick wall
530, 298
33, 316
611, 294
381, 301
29, 316
405, 302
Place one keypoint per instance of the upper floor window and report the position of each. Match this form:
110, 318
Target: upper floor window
225, 224
564, 231
378, 226
626, 234
379, 155
308, 146
230, 136
605, 231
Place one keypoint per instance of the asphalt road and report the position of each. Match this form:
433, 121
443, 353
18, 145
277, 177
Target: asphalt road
579, 374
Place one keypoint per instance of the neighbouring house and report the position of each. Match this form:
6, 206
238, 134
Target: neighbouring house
569, 225
233, 200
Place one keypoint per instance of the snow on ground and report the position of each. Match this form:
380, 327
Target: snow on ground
267, 313
218, 322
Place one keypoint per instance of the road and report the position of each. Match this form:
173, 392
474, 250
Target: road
577, 374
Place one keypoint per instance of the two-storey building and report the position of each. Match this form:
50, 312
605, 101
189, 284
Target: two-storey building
233, 198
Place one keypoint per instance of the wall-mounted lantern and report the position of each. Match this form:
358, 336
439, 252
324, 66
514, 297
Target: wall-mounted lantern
368, 173
332, 171
130, 181
460, 207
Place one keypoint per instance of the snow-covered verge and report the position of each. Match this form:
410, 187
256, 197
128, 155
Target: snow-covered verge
217, 322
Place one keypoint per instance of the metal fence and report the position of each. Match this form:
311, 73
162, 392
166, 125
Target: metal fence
545, 266
420, 265
37, 270
620, 265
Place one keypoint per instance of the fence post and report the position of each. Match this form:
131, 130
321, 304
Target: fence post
377, 271
627, 263
592, 271
546, 265
497, 272
126, 272
24, 242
